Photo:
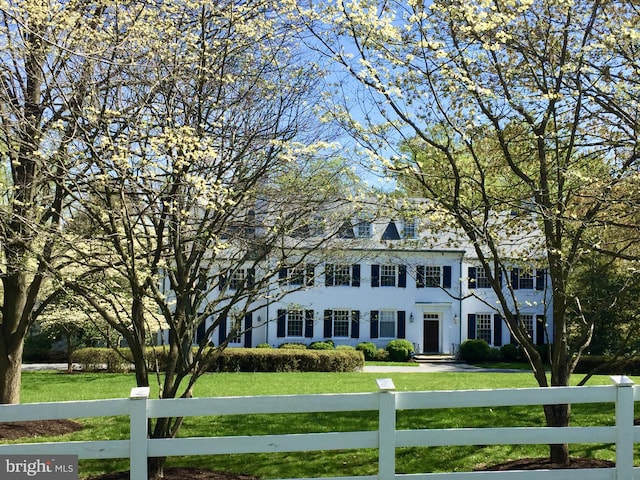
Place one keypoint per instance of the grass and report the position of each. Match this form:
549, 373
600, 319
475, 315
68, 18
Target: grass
51, 386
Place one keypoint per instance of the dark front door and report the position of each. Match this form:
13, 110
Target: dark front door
431, 340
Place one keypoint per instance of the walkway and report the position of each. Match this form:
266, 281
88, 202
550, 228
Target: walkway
428, 367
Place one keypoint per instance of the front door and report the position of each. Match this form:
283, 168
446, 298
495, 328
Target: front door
431, 339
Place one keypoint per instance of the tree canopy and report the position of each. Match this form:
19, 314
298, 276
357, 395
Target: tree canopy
503, 106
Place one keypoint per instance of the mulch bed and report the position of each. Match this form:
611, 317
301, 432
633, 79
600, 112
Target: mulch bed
546, 464
181, 473
16, 430
37, 428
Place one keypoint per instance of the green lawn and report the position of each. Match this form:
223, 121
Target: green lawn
40, 386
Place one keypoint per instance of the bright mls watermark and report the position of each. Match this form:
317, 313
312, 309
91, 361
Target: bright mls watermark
50, 467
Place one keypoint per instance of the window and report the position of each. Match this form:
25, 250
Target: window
342, 275
388, 275
387, 319
298, 275
409, 229
235, 326
482, 281
295, 323
478, 278
363, 229
237, 279
525, 279
433, 276
526, 322
483, 327
341, 323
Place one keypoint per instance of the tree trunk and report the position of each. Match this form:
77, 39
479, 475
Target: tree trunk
10, 370
155, 467
558, 416
69, 353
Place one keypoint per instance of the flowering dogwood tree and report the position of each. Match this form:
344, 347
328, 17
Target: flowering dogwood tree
202, 158
497, 106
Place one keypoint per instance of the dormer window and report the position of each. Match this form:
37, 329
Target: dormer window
364, 229
409, 229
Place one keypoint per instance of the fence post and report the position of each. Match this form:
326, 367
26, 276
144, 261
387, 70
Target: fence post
386, 429
138, 432
624, 426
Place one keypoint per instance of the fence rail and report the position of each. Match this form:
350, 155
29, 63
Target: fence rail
139, 408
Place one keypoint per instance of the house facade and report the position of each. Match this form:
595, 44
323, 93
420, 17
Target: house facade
382, 282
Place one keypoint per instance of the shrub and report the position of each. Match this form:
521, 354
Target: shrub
234, 360
369, 350
606, 365
544, 350
37, 348
399, 350
263, 345
321, 346
511, 353
104, 359
495, 355
293, 346
382, 355
475, 350
345, 347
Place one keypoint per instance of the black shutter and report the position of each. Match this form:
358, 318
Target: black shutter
328, 323
355, 275
471, 326
283, 273
282, 324
222, 330
446, 276
420, 276
497, 330
540, 330
374, 324
248, 331
402, 276
355, 324
202, 328
375, 275
402, 324
515, 277
328, 275
308, 323
472, 278
251, 277
541, 274
222, 281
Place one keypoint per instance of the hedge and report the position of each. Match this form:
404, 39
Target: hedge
622, 366
234, 360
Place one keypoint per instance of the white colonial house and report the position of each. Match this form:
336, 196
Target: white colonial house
382, 281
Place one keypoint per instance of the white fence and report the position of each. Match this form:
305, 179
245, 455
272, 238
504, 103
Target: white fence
623, 392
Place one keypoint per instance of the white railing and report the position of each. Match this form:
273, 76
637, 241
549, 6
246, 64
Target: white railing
623, 392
